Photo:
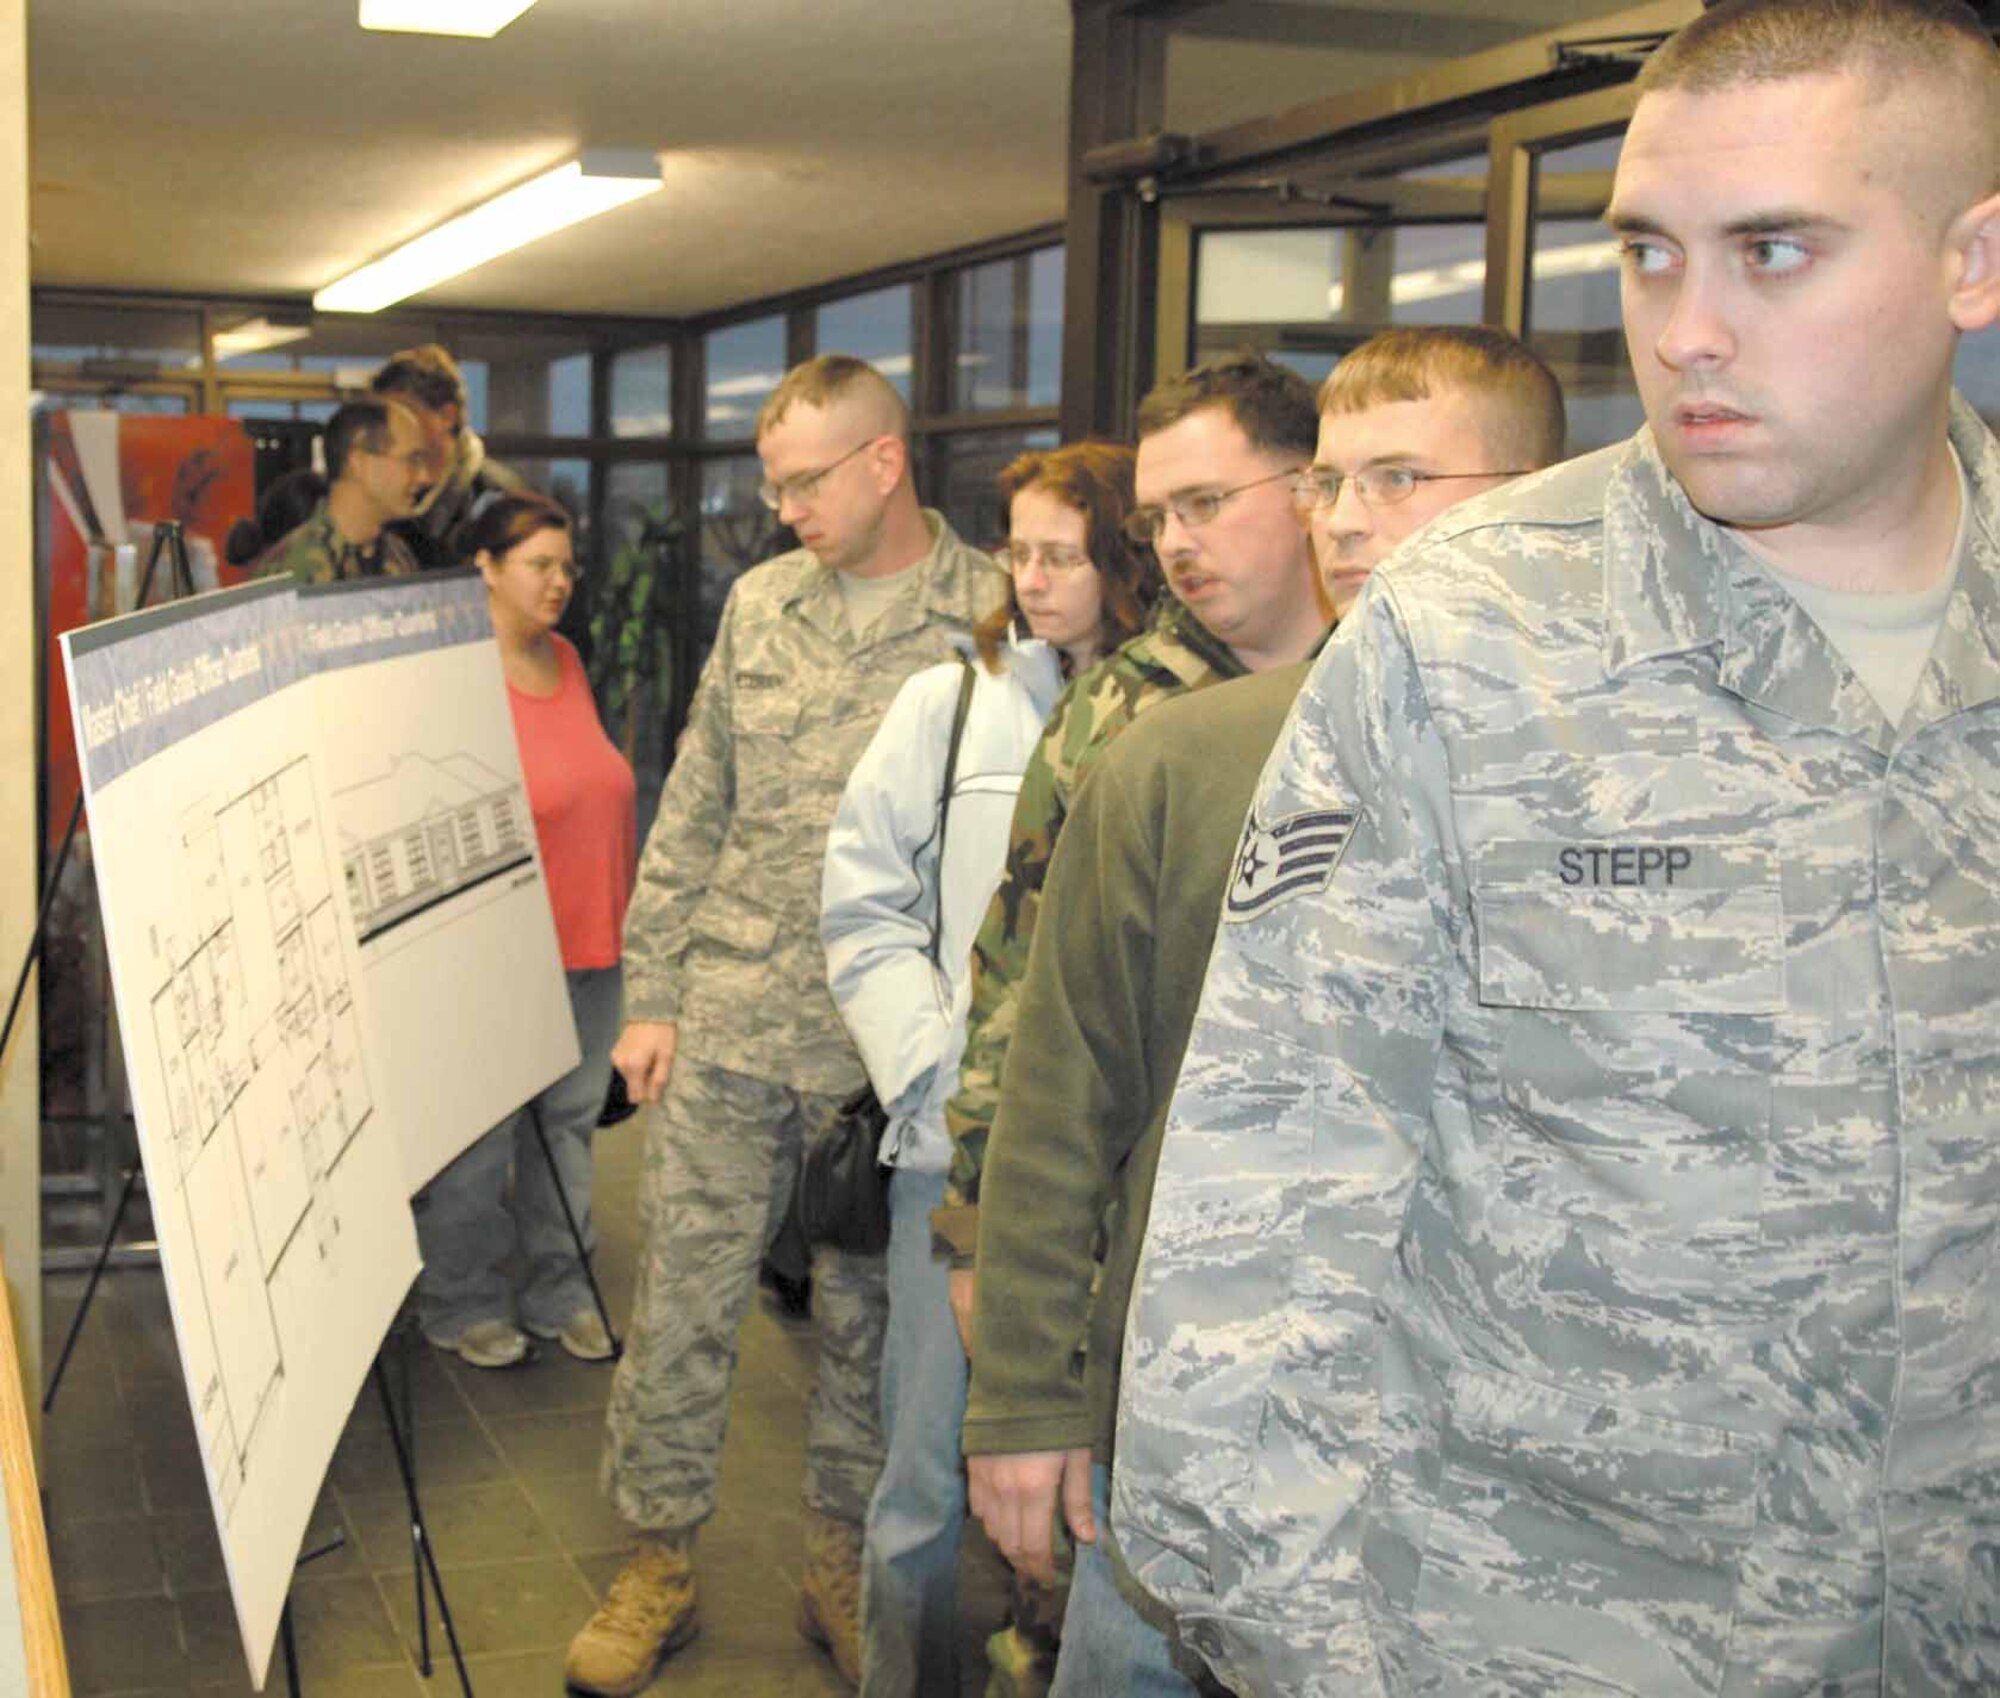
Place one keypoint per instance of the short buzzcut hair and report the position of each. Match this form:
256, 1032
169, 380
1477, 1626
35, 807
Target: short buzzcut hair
1271, 404
428, 376
1927, 43
827, 378
1523, 418
356, 424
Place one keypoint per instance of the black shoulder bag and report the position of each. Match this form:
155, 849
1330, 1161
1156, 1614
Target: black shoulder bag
843, 1187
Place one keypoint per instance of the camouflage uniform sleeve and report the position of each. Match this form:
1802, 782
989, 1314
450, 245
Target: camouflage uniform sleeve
1250, 1421
687, 836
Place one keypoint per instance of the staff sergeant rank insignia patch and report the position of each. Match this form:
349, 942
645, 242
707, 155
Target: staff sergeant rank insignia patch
1274, 862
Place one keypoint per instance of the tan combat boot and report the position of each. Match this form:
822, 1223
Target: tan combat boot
830, 1597
647, 1615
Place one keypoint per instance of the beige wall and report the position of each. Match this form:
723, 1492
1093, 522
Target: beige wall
20, 1132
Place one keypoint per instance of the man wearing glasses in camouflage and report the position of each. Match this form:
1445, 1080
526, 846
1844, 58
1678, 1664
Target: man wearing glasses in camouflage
1219, 448
732, 1030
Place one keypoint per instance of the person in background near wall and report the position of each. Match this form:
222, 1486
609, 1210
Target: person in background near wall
470, 1225
378, 469
732, 1029
287, 503
1574, 1254
428, 380
1411, 423
898, 930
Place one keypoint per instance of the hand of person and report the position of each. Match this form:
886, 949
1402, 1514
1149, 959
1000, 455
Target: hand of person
964, 1289
1015, 1497
644, 1053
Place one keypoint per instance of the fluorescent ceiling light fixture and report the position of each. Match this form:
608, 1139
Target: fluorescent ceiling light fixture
255, 335
481, 18
523, 214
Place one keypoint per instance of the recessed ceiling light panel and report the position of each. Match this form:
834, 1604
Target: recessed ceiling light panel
481, 18
525, 213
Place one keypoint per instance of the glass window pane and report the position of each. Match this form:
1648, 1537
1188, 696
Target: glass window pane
1007, 334
737, 531
162, 339
567, 482
967, 472
642, 392
48, 400
1267, 276
742, 365
874, 327
535, 383
1976, 374
1574, 320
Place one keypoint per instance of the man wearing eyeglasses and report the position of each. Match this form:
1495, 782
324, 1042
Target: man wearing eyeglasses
1219, 448
731, 1027
1411, 423
379, 468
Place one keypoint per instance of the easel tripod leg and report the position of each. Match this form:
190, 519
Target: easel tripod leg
90, 1288
575, 1230
418, 1532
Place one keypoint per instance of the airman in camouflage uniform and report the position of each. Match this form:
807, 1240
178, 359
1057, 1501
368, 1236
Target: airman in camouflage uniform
729, 1010
1572, 1260
379, 468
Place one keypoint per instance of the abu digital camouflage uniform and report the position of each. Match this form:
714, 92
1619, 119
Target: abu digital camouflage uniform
1575, 1258
1176, 653
317, 553
723, 939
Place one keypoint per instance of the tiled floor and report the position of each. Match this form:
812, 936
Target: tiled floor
507, 1465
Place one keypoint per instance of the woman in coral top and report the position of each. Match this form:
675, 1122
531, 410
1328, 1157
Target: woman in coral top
475, 1230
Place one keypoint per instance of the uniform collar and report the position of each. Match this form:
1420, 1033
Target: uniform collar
366, 559
1675, 581
945, 585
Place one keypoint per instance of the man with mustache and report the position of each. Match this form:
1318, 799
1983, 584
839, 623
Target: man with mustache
1572, 1255
1219, 447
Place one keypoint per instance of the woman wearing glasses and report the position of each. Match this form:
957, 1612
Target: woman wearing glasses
580, 791
898, 932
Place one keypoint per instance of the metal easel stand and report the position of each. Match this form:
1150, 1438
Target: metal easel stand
169, 543
423, 1557
575, 1231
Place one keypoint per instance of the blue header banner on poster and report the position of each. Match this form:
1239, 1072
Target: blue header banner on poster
143, 683
370, 619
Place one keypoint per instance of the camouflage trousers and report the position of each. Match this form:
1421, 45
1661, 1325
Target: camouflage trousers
722, 1157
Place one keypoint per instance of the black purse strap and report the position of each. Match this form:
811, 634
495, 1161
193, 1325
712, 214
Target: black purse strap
944, 805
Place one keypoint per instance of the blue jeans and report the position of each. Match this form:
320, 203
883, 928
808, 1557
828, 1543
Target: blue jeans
469, 1228
1109, 1650
909, 1562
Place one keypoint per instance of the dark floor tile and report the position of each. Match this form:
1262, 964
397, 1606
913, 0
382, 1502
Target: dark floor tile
517, 1674
190, 1552
511, 1606
341, 1625
123, 1644
90, 1416
105, 1559
446, 1453
466, 1524
569, 1442
82, 1485
171, 1467
578, 1514
386, 1680
549, 1381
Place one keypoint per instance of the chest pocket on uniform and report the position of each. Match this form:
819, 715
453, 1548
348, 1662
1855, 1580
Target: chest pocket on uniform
1637, 1043
765, 723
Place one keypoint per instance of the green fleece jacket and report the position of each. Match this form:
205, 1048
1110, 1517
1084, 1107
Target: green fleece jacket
1115, 970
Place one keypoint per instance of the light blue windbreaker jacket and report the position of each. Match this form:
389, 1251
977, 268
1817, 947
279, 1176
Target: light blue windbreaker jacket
881, 884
